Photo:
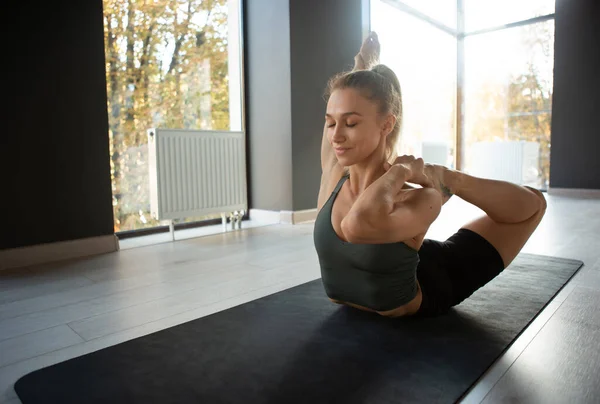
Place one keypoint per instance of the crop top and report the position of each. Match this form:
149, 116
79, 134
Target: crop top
377, 276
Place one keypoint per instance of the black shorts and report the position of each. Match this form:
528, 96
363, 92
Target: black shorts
450, 271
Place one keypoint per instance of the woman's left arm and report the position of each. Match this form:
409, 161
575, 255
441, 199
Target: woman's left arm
387, 213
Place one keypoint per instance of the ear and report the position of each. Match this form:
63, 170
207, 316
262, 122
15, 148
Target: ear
388, 125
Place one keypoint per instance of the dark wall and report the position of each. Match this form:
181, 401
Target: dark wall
55, 150
575, 158
292, 49
325, 36
268, 106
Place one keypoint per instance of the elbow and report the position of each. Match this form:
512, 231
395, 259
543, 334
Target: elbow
435, 203
351, 229
348, 229
357, 228
432, 206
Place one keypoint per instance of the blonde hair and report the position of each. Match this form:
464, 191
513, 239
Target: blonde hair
378, 84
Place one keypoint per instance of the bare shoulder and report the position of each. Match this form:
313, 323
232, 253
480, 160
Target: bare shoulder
329, 179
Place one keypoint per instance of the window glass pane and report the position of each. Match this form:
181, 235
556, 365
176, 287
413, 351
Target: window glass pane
480, 14
170, 65
508, 94
424, 59
443, 11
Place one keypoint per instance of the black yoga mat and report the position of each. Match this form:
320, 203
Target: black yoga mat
296, 346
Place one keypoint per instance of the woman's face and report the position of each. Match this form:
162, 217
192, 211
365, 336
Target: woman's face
355, 129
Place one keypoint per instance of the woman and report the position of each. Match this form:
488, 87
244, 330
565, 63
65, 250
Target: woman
369, 232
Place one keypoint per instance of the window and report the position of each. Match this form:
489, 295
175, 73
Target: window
508, 96
424, 59
443, 11
482, 14
504, 84
172, 65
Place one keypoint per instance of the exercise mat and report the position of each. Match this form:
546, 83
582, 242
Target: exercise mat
295, 346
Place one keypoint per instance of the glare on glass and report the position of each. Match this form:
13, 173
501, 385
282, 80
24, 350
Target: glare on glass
443, 11
508, 101
424, 59
481, 14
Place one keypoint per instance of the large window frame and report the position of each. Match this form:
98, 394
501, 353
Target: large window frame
460, 34
236, 111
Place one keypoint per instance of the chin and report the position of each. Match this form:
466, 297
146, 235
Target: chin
345, 161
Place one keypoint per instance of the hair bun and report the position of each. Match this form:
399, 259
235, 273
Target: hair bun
388, 73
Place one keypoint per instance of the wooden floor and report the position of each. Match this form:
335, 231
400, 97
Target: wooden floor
52, 313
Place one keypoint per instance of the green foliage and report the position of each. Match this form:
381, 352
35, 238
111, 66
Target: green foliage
166, 66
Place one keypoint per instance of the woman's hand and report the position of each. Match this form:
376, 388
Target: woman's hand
386, 213
414, 168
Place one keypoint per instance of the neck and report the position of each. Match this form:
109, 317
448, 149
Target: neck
366, 172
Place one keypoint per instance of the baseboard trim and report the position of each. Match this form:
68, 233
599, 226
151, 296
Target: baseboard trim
301, 216
575, 192
267, 216
284, 216
51, 252
298, 216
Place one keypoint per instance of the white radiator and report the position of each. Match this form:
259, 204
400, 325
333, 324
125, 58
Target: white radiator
513, 161
196, 173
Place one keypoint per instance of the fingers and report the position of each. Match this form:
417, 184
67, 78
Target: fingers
414, 170
409, 159
404, 159
427, 183
419, 163
399, 169
402, 169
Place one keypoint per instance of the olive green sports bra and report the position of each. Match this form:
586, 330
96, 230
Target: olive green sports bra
378, 276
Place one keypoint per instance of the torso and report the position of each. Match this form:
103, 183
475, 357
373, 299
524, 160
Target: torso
342, 206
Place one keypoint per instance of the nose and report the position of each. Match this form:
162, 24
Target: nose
337, 136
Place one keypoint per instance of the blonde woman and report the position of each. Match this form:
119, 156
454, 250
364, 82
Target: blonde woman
370, 229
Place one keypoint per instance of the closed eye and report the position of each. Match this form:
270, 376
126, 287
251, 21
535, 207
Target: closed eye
348, 125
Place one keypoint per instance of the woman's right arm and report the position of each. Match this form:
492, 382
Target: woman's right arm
329, 168
367, 57
328, 159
